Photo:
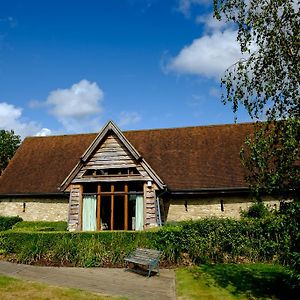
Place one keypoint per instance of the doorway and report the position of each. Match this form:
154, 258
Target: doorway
113, 206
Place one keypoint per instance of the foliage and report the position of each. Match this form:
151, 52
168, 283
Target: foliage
257, 210
272, 158
271, 239
8, 222
40, 226
84, 249
236, 281
9, 143
267, 85
268, 81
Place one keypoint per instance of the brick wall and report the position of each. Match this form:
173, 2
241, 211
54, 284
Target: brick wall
35, 209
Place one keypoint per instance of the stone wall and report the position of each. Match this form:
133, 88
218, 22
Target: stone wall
191, 209
35, 209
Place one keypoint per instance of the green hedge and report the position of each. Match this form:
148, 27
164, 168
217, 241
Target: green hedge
8, 222
76, 249
272, 239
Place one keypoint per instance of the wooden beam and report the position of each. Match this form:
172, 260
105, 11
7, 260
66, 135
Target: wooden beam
126, 207
81, 206
99, 206
112, 204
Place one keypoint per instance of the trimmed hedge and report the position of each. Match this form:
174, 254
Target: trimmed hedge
272, 239
8, 222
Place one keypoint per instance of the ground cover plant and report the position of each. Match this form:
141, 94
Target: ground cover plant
11, 288
236, 281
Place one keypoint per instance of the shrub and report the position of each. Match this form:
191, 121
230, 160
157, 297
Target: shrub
8, 222
257, 210
269, 239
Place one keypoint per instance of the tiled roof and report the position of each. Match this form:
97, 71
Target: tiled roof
185, 158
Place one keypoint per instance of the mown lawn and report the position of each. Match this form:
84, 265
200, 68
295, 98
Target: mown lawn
236, 281
40, 226
11, 288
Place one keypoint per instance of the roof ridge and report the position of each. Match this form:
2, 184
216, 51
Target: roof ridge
189, 127
150, 129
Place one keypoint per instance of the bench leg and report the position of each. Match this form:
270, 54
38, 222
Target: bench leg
151, 268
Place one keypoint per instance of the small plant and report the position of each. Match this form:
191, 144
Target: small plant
257, 210
8, 222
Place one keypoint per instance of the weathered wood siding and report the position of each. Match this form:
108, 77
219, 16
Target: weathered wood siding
74, 207
112, 154
150, 206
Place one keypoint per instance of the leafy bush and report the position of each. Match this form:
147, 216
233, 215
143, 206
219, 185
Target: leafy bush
84, 249
257, 210
270, 239
40, 226
8, 222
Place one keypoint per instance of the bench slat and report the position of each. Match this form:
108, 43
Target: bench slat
146, 257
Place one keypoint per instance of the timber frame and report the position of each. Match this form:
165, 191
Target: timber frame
111, 127
110, 162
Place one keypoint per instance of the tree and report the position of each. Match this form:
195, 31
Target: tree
9, 143
267, 84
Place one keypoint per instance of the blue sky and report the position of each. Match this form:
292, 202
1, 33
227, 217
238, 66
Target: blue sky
70, 66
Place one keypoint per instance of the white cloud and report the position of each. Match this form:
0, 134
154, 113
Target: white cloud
208, 56
128, 118
185, 6
11, 119
78, 107
44, 132
36, 104
211, 24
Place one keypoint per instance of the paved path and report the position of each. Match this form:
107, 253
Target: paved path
98, 280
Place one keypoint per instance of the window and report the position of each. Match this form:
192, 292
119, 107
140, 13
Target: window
111, 172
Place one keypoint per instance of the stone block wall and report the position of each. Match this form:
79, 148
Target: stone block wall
192, 209
35, 209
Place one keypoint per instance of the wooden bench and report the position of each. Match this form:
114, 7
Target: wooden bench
145, 257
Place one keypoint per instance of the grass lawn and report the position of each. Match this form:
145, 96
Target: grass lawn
235, 281
11, 288
40, 226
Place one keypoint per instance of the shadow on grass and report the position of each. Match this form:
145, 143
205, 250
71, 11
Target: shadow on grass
257, 280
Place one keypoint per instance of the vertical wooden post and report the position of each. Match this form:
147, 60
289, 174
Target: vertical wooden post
99, 206
112, 189
126, 207
81, 207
